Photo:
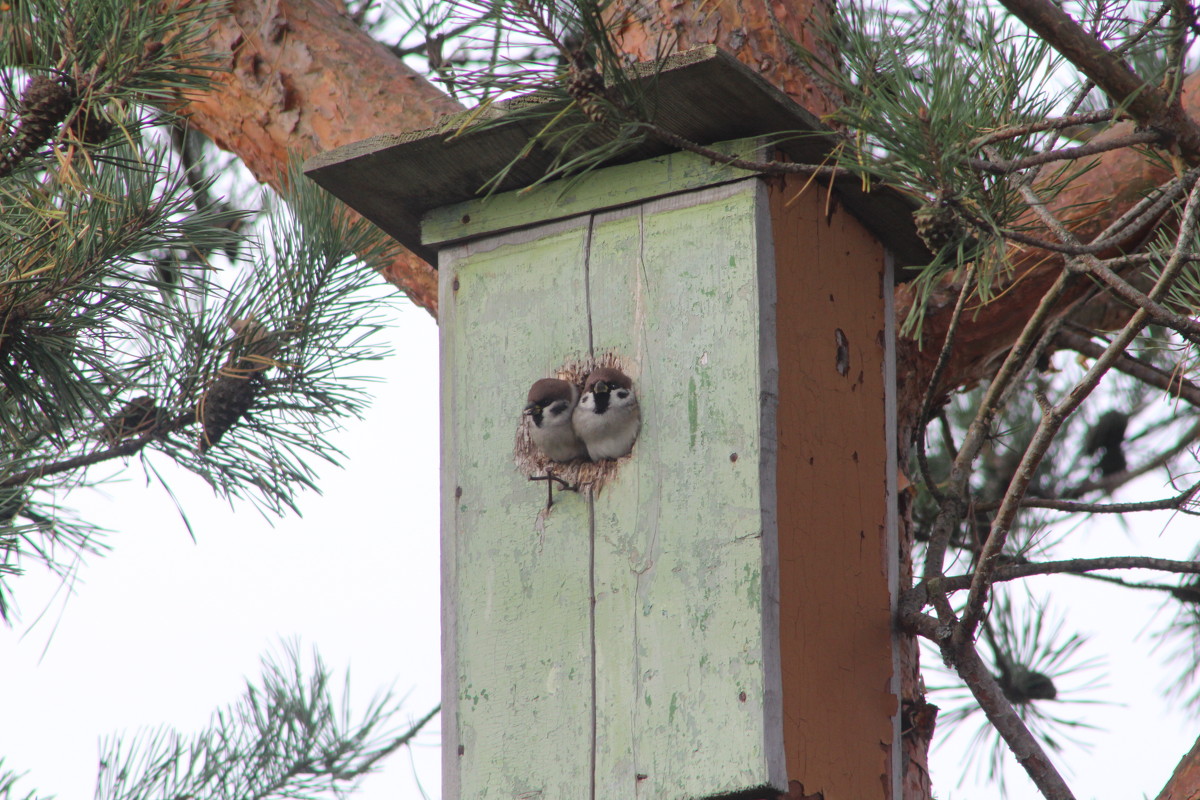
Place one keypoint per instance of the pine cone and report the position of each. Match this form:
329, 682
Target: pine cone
939, 225
224, 404
586, 87
91, 125
44, 105
252, 351
1022, 685
136, 417
1107, 434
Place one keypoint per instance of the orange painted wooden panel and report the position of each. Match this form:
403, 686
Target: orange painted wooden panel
836, 643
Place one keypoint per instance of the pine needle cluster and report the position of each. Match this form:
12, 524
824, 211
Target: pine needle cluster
137, 317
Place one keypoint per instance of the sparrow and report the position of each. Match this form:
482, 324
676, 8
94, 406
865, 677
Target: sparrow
550, 404
607, 418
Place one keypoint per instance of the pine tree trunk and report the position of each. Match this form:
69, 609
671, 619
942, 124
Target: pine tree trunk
302, 78
650, 29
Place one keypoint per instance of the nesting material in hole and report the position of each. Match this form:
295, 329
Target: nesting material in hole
589, 476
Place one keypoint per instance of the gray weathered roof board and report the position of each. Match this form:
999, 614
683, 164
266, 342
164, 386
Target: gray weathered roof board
705, 95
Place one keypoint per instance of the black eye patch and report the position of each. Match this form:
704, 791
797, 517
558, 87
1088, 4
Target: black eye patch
557, 407
622, 393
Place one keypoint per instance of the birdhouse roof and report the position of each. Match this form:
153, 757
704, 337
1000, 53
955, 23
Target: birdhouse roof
704, 95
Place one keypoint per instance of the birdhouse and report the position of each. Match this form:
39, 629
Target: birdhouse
711, 614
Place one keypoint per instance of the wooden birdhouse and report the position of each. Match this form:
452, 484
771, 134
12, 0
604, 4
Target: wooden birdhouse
710, 615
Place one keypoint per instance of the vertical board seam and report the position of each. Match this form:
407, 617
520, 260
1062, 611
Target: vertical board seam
892, 511
587, 280
592, 635
449, 527
768, 438
587, 299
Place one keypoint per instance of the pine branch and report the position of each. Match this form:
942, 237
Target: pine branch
1003, 716
1053, 124
1004, 166
1172, 382
285, 737
127, 447
1111, 74
1178, 502
1054, 417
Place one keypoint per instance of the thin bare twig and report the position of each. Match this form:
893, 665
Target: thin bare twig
1003, 166
936, 378
977, 432
1052, 124
1075, 566
1172, 382
1128, 292
1177, 503
1109, 72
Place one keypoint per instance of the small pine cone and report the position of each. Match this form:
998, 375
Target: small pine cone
939, 225
586, 87
135, 418
91, 126
252, 352
224, 404
44, 105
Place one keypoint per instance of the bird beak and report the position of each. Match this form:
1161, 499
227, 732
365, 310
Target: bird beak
529, 409
601, 387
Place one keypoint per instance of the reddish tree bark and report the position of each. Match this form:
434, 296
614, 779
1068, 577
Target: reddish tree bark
301, 78
1185, 780
1117, 181
759, 34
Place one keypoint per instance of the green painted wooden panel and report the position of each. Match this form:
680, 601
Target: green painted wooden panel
517, 685
666, 687
682, 677
607, 188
